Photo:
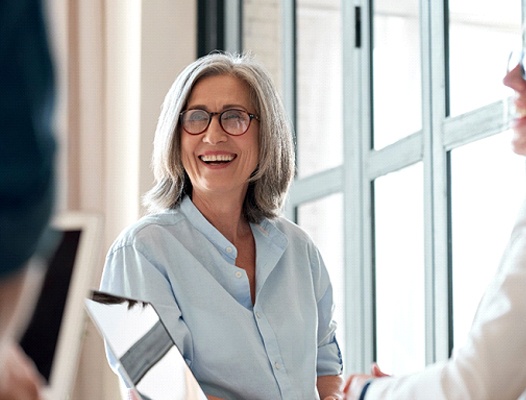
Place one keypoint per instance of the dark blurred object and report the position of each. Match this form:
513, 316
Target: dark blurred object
27, 145
41, 338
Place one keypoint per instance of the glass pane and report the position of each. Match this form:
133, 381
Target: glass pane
400, 278
487, 190
481, 36
323, 220
262, 35
396, 71
319, 85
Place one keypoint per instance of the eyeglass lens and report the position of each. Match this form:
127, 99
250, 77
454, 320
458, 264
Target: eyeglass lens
233, 122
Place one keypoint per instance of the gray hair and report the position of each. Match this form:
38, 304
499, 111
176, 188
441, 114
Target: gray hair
268, 185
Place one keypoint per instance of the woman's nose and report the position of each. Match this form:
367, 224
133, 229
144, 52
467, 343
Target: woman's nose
214, 133
514, 79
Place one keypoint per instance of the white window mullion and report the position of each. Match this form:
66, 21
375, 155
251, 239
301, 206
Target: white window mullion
357, 225
436, 195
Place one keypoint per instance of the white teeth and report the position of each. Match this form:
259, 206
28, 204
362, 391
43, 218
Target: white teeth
217, 158
520, 112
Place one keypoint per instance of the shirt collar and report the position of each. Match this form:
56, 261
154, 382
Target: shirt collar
199, 222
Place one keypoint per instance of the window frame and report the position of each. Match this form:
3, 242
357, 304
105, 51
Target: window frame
362, 164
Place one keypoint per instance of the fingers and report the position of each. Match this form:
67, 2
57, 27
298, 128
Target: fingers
19, 378
348, 384
377, 372
354, 385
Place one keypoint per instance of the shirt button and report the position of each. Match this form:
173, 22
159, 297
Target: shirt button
229, 249
239, 274
277, 365
258, 315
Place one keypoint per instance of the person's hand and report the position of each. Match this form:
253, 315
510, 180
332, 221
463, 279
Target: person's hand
377, 372
330, 387
19, 378
354, 385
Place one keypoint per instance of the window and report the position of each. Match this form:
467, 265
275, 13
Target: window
396, 67
399, 274
399, 112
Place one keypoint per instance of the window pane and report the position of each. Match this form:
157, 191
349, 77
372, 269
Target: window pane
262, 35
319, 85
400, 278
487, 189
481, 36
396, 71
323, 220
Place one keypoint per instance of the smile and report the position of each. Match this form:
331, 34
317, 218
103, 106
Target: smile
217, 158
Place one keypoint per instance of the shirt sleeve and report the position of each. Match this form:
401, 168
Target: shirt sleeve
329, 355
491, 363
128, 272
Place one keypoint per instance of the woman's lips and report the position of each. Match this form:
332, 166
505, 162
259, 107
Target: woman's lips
217, 158
520, 112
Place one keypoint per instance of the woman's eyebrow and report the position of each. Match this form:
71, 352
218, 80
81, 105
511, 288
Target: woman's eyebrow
225, 107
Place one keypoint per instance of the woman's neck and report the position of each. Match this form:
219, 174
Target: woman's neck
225, 214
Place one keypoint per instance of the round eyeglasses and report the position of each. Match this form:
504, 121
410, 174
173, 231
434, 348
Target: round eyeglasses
517, 57
234, 122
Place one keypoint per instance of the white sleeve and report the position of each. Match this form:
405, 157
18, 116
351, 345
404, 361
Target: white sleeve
492, 363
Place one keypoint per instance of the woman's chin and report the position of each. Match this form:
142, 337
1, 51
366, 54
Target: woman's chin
518, 141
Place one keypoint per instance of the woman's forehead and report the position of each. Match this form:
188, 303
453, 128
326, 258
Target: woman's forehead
220, 90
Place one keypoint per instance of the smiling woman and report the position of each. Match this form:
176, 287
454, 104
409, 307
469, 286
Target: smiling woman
220, 164
252, 325
275, 159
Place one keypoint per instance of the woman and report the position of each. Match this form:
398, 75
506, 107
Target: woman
243, 291
492, 363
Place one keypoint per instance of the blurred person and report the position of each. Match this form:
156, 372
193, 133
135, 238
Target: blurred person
491, 365
27, 150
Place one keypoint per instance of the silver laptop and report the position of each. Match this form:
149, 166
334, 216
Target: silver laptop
140, 349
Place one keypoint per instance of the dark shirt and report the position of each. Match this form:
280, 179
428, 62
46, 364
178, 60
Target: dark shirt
27, 145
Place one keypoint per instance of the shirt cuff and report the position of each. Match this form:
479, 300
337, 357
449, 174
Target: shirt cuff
329, 359
364, 389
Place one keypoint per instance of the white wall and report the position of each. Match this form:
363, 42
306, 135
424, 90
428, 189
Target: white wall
115, 61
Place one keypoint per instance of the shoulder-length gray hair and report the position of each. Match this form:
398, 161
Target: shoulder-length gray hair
269, 183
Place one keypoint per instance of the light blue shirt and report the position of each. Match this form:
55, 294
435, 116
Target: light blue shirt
186, 268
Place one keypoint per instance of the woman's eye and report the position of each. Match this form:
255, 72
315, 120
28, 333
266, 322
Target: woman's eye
233, 115
198, 116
